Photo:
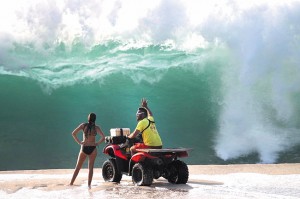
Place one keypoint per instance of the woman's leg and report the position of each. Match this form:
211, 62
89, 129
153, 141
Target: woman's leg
80, 161
92, 159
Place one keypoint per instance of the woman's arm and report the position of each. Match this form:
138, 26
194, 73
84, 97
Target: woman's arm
74, 134
100, 132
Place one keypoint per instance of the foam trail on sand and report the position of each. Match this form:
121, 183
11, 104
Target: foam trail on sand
52, 184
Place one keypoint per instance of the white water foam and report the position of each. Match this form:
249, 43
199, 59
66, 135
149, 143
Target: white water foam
261, 84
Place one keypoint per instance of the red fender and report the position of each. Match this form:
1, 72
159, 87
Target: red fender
116, 150
138, 157
182, 154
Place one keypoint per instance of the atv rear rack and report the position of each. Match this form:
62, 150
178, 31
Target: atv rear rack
166, 150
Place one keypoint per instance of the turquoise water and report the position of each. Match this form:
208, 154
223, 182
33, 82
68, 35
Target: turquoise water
224, 83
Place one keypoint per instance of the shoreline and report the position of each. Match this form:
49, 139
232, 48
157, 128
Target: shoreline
205, 181
271, 169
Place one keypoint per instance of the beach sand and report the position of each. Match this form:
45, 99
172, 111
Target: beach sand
205, 181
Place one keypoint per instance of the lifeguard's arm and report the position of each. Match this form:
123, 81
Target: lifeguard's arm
75, 132
144, 103
100, 132
134, 134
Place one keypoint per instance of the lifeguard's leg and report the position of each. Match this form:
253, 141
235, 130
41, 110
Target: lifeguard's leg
133, 150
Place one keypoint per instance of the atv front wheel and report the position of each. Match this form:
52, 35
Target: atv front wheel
110, 172
179, 172
142, 175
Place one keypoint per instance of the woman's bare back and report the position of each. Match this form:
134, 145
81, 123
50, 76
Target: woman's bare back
89, 134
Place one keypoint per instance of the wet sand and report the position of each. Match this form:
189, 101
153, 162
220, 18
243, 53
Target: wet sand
205, 181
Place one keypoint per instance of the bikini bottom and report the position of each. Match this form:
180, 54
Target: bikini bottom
88, 150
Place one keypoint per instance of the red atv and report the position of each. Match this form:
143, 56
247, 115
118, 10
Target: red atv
144, 165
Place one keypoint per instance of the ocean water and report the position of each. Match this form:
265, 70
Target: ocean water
221, 77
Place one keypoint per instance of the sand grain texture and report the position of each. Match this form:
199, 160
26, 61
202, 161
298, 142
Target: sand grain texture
206, 181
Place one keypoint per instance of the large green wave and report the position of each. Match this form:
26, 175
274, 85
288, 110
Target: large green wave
225, 82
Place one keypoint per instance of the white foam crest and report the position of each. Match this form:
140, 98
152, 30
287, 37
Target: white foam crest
187, 25
54, 21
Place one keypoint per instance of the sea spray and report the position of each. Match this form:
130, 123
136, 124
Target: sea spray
259, 112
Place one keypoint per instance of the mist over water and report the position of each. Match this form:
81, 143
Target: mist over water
222, 77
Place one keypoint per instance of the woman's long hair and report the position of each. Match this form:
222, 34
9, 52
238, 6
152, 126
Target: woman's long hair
90, 125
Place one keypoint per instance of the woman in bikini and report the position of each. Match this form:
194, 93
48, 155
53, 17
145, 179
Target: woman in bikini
88, 146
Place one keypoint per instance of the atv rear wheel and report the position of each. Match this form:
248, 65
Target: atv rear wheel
142, 175
110, 172
179, 172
